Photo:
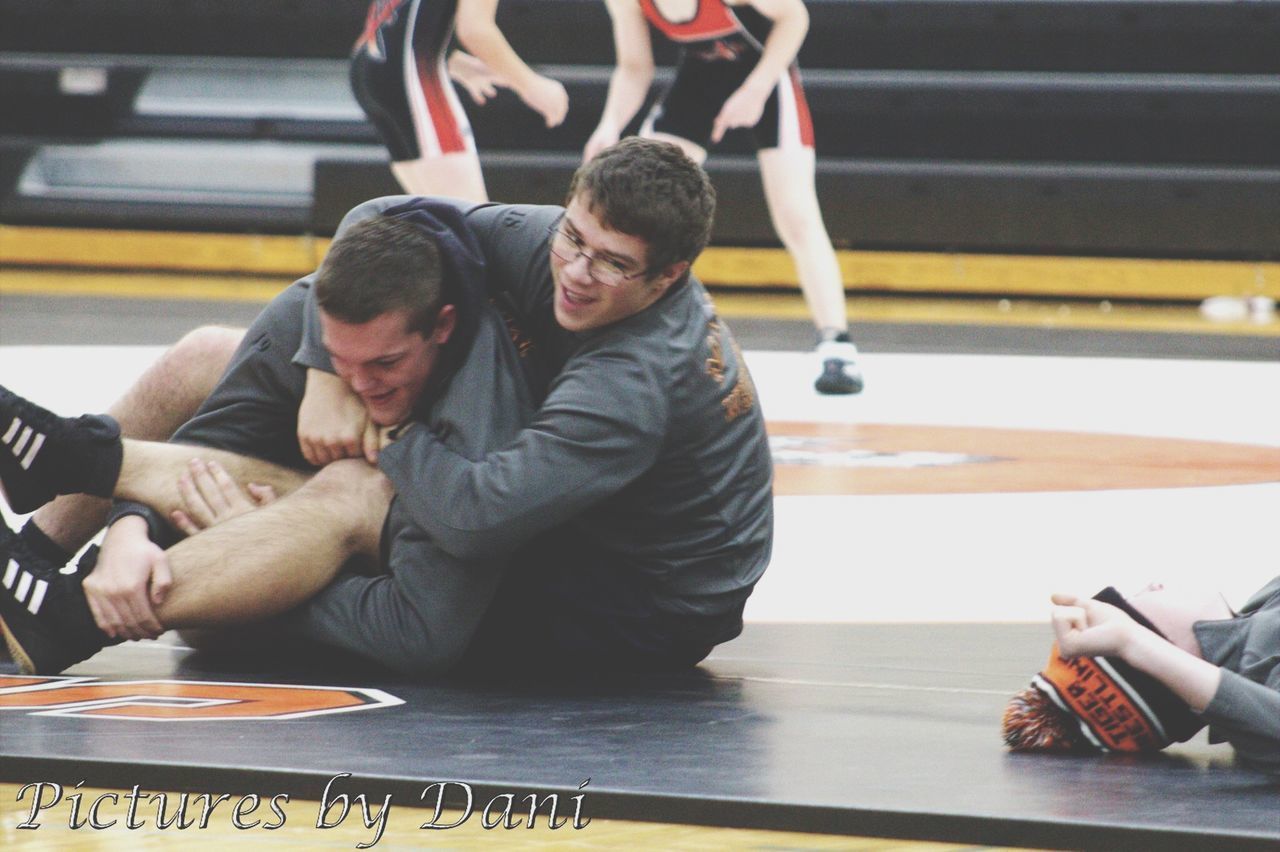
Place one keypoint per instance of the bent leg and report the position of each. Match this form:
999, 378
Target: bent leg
251, 411
268, 561
251, 567
456, 175
418, 618
164, 397
150, 472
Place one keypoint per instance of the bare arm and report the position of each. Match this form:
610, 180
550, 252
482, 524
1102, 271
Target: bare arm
790, 26
474, 76
1089, 627
333, 423
132, 576
631, 78
130, 579
477, 29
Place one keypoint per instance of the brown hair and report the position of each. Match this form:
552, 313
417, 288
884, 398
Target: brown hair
380, 265
651, 190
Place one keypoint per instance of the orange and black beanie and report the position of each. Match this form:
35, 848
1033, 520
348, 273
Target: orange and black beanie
1097, 703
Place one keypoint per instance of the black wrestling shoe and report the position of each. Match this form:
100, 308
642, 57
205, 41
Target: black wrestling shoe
44, 615
840, 371
43, 455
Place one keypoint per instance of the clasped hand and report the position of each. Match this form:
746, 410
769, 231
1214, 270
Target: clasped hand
1088, 627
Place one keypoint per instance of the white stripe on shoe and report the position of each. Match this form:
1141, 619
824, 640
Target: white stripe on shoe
31, 453
17, 447
24, 586
37, 597
22, 441
27, 585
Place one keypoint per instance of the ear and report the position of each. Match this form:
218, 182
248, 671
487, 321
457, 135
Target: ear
326, 322
446, 322
664, 279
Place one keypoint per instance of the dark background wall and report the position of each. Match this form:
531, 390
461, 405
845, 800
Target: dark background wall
1108, 127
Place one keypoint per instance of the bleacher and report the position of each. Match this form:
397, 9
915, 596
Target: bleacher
1146, 128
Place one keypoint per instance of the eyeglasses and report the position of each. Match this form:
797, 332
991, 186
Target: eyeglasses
569, 248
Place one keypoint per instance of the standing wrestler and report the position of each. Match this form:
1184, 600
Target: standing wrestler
737, 69
398, 74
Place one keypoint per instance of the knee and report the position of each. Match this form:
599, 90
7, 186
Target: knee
208, 342
796, 223
359, 494
202, 354
352, 476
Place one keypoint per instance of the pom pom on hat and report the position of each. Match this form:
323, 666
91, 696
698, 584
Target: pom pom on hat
1034, 723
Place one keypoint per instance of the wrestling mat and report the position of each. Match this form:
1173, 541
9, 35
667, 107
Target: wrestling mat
887, 730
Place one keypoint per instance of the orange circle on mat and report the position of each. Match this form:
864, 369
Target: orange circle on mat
886, 458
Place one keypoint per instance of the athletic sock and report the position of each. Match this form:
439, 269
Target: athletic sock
41, 545
43, 455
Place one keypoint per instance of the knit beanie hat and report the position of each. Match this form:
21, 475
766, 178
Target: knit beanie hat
1099, 703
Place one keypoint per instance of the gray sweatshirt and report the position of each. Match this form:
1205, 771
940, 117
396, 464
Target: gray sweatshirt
1245, 711
647, 454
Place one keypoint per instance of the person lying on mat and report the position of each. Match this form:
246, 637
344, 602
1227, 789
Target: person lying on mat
1142, 671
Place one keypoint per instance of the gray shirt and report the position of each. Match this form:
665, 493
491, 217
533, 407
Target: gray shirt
420, 614
1245, 711
647, 455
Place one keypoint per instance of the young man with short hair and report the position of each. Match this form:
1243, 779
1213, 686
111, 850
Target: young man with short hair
405, 344
638, 501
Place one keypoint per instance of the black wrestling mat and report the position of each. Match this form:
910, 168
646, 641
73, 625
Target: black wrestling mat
847, 729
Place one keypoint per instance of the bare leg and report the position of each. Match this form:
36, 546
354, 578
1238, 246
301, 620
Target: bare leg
455, 175
252, 566
150, 471
268, 561
162, 399
789, 189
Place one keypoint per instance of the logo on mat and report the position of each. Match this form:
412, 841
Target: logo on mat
179, 700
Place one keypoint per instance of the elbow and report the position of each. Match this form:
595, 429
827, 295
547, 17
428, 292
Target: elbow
474, 35
431, 658
802, 19
638, 71
474, 544
794, 15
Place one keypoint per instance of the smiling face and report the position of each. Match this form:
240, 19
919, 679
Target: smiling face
582, 303
1175, 611
384, 363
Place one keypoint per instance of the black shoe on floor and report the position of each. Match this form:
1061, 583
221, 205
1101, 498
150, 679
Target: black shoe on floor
840, 371
43, 455
44, 616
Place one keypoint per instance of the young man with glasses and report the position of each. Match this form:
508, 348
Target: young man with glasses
637, 503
